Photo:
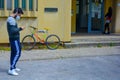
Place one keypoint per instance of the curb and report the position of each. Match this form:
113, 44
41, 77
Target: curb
91, 44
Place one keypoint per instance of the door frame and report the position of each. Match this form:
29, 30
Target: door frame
90, 18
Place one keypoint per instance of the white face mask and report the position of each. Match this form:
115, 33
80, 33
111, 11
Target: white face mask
18, 17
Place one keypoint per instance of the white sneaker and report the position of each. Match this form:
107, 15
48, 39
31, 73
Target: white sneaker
17, 69
13, 72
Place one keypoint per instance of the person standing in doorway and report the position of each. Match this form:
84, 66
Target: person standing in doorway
14, 39
108, 17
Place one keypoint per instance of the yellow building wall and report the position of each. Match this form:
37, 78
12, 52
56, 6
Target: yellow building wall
3, 31
117, 17
73, 15
108, 3
59, 22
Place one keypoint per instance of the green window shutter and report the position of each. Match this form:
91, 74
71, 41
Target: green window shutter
1, 4
30, 4
16, 3
24, 4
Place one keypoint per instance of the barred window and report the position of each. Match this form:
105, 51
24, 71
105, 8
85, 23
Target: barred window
9, 4
24, 4
36, 5
16, 3
30, 5
1, 4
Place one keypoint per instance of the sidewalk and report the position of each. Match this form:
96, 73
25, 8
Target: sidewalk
97, 63
97, 40
62, 53
85, 47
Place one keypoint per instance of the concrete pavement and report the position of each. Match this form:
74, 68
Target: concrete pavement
65, 64
63, 53
85, 68
93, 40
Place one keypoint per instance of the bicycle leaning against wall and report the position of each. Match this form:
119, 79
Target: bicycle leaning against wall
52, 41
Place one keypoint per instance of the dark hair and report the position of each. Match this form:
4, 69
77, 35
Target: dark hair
110, 10
18, 10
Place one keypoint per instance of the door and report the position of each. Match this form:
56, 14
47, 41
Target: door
96, 16
82, 16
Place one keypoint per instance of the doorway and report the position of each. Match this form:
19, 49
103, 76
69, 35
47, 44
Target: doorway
82, 16
89, 16
96, 16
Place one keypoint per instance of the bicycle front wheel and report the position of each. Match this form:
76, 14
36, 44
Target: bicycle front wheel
52, 42
28, 42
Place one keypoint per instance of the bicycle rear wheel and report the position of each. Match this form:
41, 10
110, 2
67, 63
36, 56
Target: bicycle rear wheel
28, 42
52, 42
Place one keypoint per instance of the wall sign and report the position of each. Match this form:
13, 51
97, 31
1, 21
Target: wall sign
51, 10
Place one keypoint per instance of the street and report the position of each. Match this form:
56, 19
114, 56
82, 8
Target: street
104, 67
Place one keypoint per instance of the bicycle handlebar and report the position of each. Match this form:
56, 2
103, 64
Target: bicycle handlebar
45, 29
33, 27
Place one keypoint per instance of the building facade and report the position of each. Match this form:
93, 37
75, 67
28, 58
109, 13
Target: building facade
55, 15
62, 17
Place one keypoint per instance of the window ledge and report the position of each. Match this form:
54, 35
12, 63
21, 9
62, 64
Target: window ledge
6, 13
30, 14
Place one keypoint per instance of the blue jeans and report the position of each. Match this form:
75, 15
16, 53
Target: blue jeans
15, 53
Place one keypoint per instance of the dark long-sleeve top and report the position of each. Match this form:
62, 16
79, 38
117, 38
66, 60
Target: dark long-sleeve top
12, 28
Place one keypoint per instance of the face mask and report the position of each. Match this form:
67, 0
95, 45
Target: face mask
17, 17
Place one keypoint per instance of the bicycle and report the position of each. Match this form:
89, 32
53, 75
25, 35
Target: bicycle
52, 41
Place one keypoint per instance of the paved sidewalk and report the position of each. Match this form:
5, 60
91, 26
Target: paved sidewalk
91, 40
63, 53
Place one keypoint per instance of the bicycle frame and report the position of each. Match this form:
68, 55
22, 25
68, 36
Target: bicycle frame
37, 36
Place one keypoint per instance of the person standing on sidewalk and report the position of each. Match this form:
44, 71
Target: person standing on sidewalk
14, 39
108, 17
